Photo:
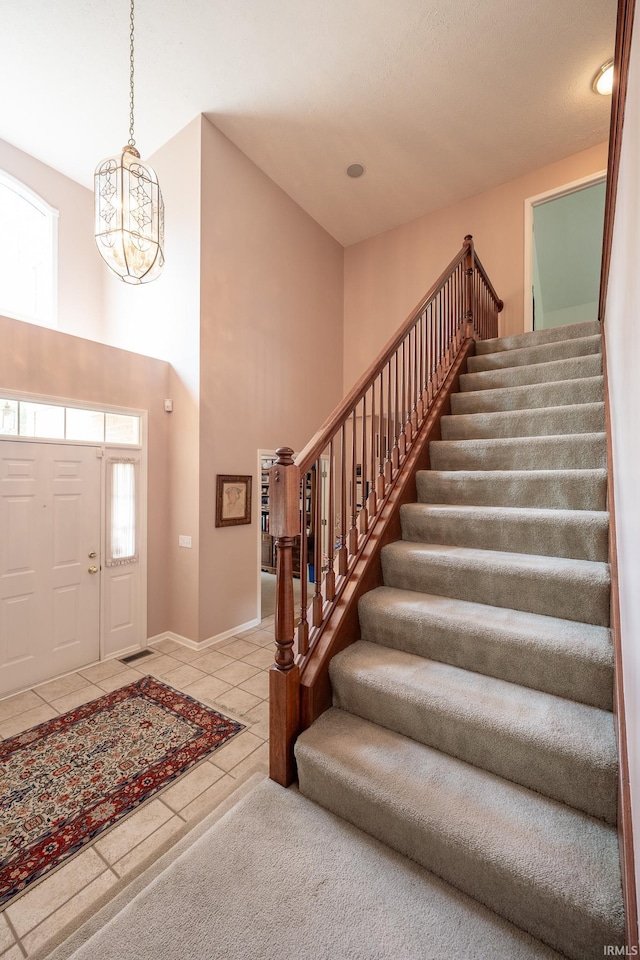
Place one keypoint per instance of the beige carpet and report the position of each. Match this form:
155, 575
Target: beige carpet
279, 878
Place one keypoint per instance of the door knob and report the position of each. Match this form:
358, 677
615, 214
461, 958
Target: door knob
93, 569
92, 555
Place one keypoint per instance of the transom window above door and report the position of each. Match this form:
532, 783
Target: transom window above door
51, 421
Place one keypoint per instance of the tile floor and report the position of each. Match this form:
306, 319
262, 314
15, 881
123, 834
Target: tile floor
233, 678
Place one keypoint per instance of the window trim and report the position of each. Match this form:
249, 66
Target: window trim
53, 216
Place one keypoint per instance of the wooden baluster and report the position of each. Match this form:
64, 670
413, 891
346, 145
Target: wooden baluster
420, 369
372, 501
388, 466
468, 270
330, 580
417, 389
343, 559
402, 439
303, 623
284, 676
317, 543
364, 512
380, 484
353, 532
395, 453
438, 339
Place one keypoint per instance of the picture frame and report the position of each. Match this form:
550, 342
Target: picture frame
233, 500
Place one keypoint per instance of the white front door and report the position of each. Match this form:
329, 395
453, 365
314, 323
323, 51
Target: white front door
49, 561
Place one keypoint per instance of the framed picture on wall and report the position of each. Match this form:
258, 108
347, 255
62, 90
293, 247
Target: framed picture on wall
233, 500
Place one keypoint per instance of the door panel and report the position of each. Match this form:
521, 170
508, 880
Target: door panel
49, 523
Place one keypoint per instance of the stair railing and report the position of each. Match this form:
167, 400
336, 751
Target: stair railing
325, 503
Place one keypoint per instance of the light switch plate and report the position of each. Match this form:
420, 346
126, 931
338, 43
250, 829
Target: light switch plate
184, 541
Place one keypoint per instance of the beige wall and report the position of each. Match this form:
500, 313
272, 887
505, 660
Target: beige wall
271, 353
622, 326
387, 275
162, 319
80, 272
37, 360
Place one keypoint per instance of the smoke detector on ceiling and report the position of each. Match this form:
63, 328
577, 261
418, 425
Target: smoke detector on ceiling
355, 170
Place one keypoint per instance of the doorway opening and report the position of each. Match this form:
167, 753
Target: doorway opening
563, 250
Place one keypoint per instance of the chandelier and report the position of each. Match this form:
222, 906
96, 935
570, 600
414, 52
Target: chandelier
129, 212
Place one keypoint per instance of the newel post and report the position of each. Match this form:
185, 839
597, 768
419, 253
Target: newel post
468, 286
284, 676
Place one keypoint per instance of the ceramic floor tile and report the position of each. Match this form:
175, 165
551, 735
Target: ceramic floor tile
258, 685
183, 675
122, 679
210, 799
13, 706
258, 717
159, 667
7, 939
238, 700
100, 671
25, 720
146, 849
78, 697
207, 690
237, 648
14, 953
168, 646
236, 672
246, 633
191, 785
41, 901
263, 658
256, 762
235, 751
212, 661
60, 687
68, 911
186, 654
264, 638
136, 828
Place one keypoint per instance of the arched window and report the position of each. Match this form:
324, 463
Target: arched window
28, 254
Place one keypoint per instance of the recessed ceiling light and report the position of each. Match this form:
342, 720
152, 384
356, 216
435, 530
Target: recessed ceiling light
355, 170
603, 80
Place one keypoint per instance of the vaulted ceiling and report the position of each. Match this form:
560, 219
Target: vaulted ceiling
439, 99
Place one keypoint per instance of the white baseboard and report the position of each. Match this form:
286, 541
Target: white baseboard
209, 642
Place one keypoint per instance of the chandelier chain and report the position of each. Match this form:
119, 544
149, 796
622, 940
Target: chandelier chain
132, 141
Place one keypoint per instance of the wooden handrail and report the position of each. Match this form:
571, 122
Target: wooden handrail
331, 497
319, 440
624, 30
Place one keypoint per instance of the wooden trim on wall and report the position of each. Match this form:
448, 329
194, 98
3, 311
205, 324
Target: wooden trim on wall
344, 629
625, 827
624, 30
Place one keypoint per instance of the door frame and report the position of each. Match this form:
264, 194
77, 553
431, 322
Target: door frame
142, 449
530, 202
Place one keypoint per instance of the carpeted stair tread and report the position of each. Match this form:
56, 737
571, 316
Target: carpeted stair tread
550, 869
542, 421
526, 356
279, 878
559, 748
549, 372
577, 451
546, 489
577, 534
530, 396
569, 331
551, 586
561, 657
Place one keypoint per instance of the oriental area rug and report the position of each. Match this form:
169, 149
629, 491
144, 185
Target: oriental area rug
67, 780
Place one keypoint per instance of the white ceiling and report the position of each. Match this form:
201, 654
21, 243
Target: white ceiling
439, 99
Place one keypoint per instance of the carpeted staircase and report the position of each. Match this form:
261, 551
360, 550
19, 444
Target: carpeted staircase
472, 729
